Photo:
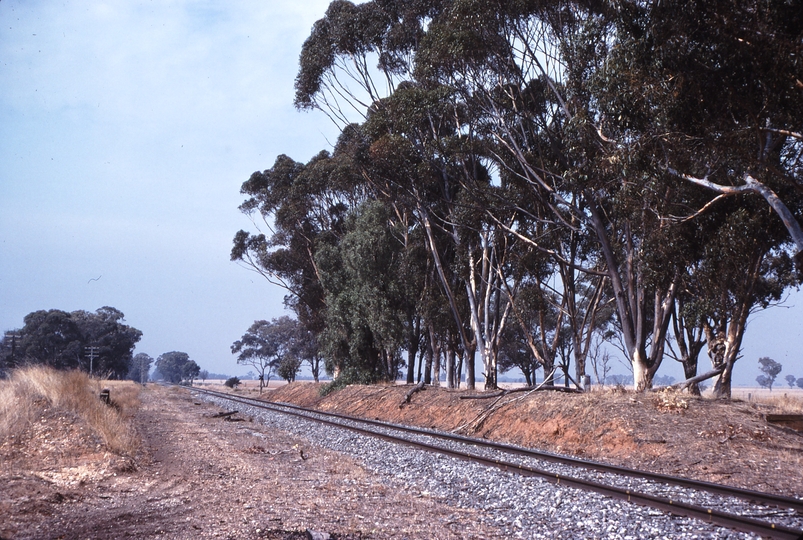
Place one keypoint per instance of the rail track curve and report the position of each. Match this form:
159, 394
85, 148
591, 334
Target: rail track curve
519, 460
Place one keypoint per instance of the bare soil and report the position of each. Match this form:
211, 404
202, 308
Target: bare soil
199, 476
728, 442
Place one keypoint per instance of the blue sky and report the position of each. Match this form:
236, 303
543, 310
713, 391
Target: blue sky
126, 130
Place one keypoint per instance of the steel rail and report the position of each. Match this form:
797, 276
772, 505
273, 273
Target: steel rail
724, 519
769, 499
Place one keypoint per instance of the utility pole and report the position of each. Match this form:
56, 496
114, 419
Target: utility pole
143, 371
92, 352
14, 337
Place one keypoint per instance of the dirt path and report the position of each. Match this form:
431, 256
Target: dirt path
203, 477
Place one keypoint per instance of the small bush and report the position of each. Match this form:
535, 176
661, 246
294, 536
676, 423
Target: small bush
348, 376
232, 382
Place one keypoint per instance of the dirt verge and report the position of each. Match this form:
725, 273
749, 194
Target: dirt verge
200, 476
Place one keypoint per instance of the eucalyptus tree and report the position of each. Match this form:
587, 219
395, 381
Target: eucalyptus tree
304, 346
524, 71
619, 118
59, 339
301, 206
420, 150
743, 267
51, 337
175, 366
721, 82
140, 366
593, 134
367, 298
460, 78
268, 346
708, 93
115, 341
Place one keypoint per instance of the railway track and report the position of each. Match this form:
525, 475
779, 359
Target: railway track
677, 496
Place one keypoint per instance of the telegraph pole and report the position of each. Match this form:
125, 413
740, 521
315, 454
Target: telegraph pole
14, 337
92, 352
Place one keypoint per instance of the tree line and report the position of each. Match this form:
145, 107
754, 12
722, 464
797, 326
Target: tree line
99, 343
518, 182
770, 370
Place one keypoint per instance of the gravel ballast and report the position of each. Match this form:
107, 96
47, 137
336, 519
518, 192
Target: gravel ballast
520, 507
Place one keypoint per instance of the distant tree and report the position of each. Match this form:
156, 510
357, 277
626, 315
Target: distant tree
115, 341
265, 346
203, 375
232, 382
52, 338
190, 371
619, 380
288, 368
9, 350
59, 339
800, 382
139, 367
771, 369
764, 381
170, 366
790, 380
600, 360
304, 347
514, 353
664, 380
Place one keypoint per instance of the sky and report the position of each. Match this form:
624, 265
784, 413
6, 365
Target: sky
126, 131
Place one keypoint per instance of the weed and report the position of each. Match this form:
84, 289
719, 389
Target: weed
29, 390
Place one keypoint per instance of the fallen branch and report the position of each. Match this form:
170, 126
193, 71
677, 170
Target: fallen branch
413, 390
224, 414
485, 396
688, 382
475, 424
564, 389
498, 394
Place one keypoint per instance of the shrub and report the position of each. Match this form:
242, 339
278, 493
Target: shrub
232, 382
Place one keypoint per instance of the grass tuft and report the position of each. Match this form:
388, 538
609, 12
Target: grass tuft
30, 389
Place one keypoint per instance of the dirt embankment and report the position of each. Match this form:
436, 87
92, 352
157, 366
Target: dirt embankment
716, 441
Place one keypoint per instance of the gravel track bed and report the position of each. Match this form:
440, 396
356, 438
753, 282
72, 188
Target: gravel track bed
521, 507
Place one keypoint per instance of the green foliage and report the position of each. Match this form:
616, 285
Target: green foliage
771, 369
368, 294
790, 380
190, 371
270, 346
176, 366
59, 339
348, 376
288, 368
561, 186
232, 382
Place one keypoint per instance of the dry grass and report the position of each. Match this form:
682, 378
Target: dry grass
786, 400
29, 390
789, 404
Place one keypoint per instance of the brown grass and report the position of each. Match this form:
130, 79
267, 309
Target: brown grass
24, 395
786, 400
